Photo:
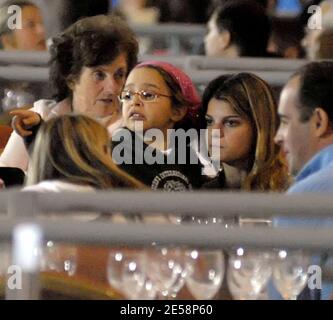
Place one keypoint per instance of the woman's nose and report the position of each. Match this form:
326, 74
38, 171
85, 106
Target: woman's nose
113, 86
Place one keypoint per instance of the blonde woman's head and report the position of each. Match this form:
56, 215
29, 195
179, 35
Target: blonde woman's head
75, 148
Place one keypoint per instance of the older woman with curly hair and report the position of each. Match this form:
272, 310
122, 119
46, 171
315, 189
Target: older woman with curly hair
88, 68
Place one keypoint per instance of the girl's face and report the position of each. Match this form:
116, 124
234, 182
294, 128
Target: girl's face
147, 102
235, 143
96, 92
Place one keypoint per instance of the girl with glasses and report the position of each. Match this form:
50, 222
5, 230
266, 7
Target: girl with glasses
157, 100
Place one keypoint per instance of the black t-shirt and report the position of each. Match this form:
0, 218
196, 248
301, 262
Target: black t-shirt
172, 171
12, 177
179, 169
217, 183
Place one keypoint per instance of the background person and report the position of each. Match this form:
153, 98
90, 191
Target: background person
31, 36
315, 26
237, 29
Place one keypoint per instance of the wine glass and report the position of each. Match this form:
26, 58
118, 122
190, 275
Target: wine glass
133, 275
16, 99
59, 258
126, 272
177, 258
205, 273
290, 273
67, 259
114, 268
248, 273
149, 291
166, 270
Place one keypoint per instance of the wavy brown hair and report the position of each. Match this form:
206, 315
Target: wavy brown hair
89, 42
75, 148
252, 98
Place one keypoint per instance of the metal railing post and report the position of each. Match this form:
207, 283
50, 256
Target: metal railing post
22, 204
24, 283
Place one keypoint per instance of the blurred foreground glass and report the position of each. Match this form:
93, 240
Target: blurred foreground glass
16, 99
205, 273
290, 273
126, 272
166, 268
133, 275
59, 258
248, 273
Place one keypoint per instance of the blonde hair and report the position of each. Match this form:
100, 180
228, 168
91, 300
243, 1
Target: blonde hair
75, 148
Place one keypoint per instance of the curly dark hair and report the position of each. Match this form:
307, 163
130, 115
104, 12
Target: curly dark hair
89, 42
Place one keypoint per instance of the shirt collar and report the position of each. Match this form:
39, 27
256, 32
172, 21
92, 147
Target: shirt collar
321, 160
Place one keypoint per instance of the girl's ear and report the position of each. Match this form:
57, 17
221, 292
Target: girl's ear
178, 114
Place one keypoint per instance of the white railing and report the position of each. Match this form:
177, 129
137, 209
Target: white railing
32, 66
31, 58
221, 205
199, 77
201, 203
244, 63
187, 62
180, 30
22, 208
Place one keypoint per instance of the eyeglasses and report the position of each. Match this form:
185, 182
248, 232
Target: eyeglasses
144, 96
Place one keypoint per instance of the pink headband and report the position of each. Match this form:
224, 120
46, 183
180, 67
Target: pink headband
187, 87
